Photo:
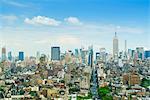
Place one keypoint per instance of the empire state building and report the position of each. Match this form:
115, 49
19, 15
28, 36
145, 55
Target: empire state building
115, 46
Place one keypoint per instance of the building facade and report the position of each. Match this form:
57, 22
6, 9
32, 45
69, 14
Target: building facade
21, 55
3, 54
10, 56
147, 54
115, 47
55, 53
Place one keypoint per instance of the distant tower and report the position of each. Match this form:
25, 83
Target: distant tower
76, 52
38, 56
90, 56
125, 46
9, 56
55, 53
3, 54
115, 46
140, 53
103, 54
21, 55
83, 53
125, 49
97, 55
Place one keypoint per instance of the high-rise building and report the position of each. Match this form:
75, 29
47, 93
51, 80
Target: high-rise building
90, 56
133, 54
147, 54
21, 55
130, 53
125, 46
115, 47
76, 52
125, 50
3, 54
9, 56
84, 57
103, 54
140, 52
55, 53
38, 56
97, 55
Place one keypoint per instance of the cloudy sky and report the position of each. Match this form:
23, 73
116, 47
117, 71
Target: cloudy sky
36, 25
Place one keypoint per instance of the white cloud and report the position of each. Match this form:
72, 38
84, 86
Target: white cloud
13, 3
42, 20
7, 20
73, 20
8, 17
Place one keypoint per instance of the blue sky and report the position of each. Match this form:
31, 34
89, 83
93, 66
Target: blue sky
35, 25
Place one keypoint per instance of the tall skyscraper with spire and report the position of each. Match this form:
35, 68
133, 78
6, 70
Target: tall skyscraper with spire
3, 54
125, 50
115, 46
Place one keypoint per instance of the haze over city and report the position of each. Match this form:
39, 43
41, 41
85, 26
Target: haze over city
31, 25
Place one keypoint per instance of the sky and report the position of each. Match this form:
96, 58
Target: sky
36, 25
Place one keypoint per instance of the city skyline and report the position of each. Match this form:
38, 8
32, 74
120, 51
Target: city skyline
39, 26
74, 49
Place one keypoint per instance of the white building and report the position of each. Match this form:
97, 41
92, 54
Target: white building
115, 47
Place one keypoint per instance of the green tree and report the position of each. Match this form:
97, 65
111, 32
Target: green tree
74, 89
104, 93
145, 82
33, 93
22, 92
1, 89
107, 97
70, 84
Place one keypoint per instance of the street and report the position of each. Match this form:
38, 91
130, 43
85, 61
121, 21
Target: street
94, 84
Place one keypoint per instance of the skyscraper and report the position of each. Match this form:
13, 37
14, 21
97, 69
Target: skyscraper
103, 54
140, 52
37, 56
21, 55
125, 50
125, 46
76, 52
147, 54
9, 56
133, 54
97, 55
90, 56
115, 46
83, 53
130, 53
55, 53
3, 54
